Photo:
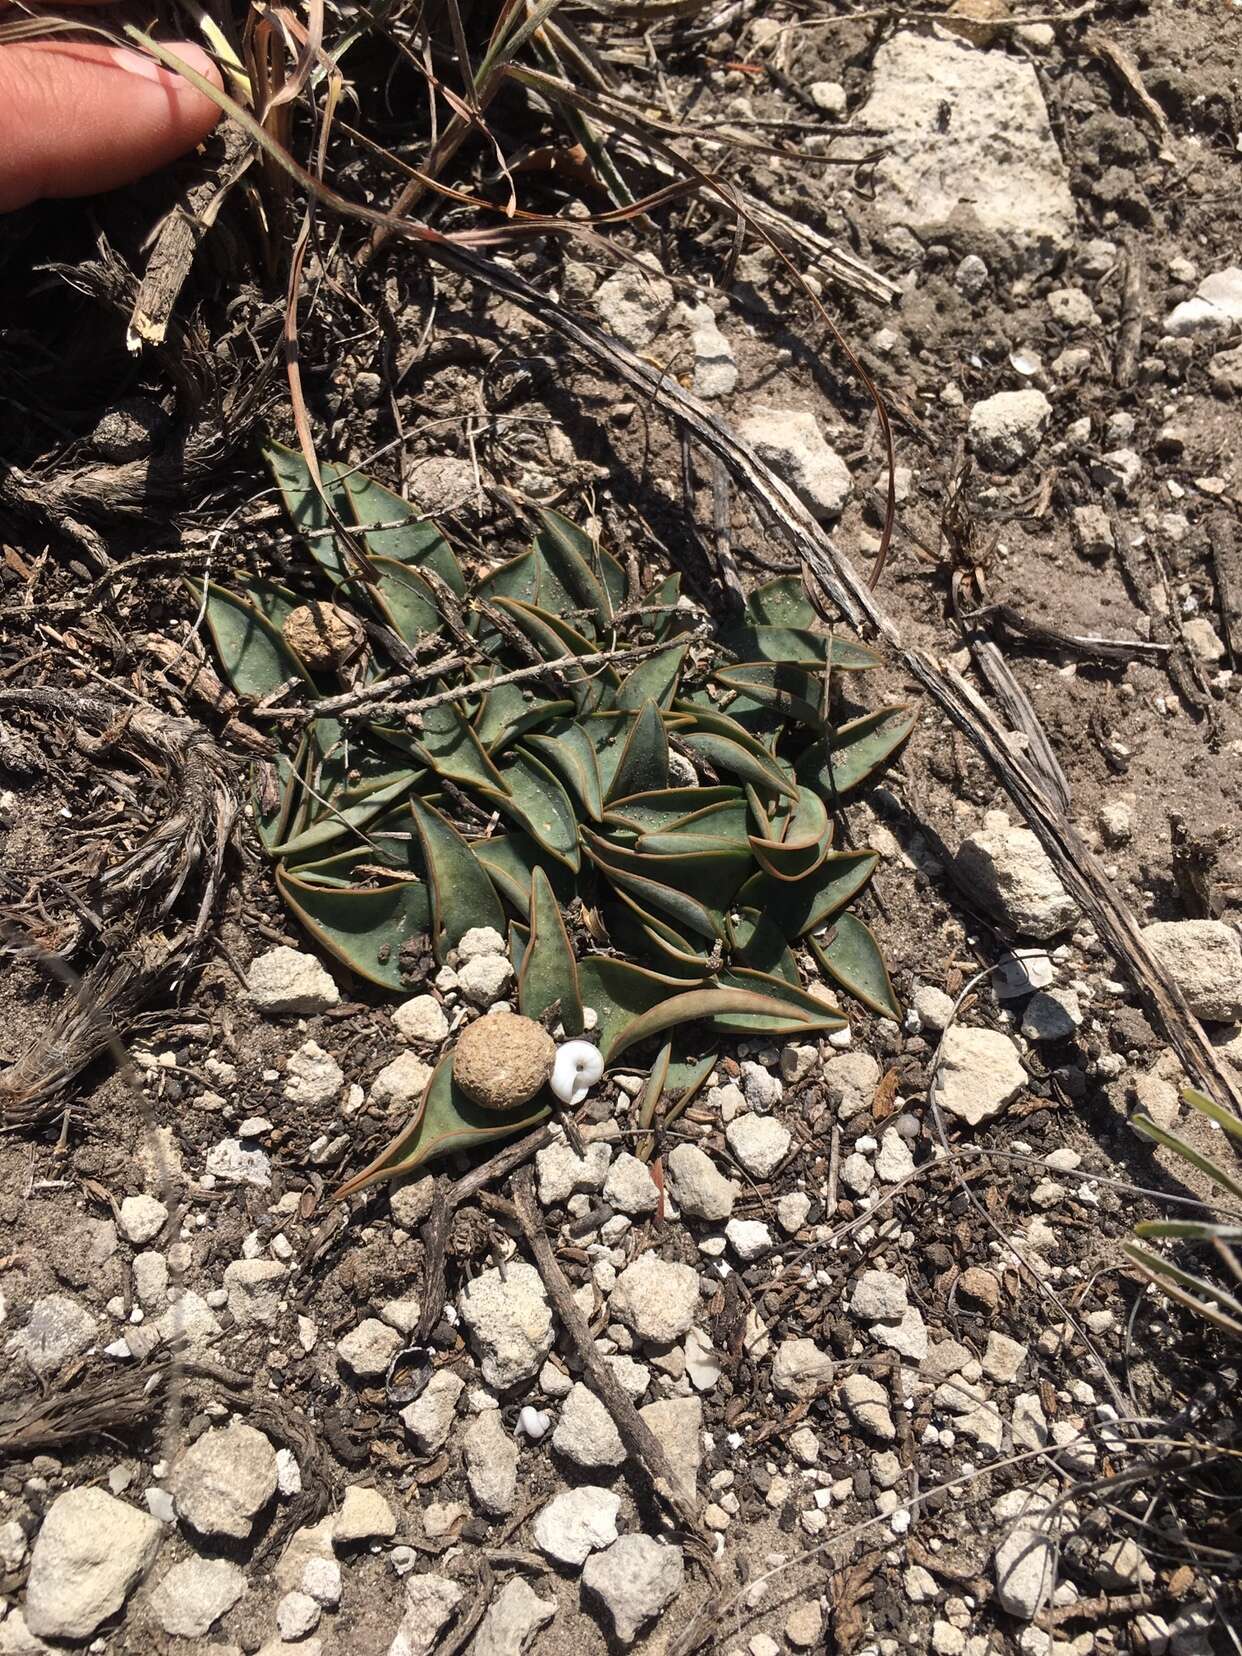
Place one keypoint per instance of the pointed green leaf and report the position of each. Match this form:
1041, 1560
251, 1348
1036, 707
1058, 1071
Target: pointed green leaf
255, 658
665, 808
724, 754
759, 943
273, 825
617, 991
810, 649
781, 603
803, 845
654, 938
509, 711
450, 748
789, 993
536, 801
567, 749
519, 578
462, 895
655, 679
792, 692
511, 859
710, 876
1205, 1164
305, 506
720, 1005
555, 639
1209, 1299
851, 957
644, 759
800, 906
339, 822
446, 1120
404, 600
416, 541
590, 577
854, 752
549, 972
366, 927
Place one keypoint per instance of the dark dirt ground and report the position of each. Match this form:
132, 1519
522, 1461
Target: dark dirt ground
403, 365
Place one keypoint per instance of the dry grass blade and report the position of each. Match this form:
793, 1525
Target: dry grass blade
135, 897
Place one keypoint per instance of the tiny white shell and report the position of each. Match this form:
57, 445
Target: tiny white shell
533, 1423
576, 1069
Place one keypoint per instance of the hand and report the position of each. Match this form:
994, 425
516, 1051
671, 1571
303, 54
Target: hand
76, 119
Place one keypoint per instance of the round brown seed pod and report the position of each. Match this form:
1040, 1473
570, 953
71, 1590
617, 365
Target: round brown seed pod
321, 635
502, 1060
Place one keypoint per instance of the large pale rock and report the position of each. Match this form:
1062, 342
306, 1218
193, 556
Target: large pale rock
1005, 430
430, 1603
429, 1418
576, 1523
656, 1299
59, 1328
1204, 957
634, 1578
633, 302
491, 1463
1215, 309
287, 981
195, 1594
677, 1423
969, 155
791, 442
89, 1555
979, 1073
224, 1480
510, 1323
1010, 871
800, 1369
585, 1433
513, 1618
1025, 1560
699, 1188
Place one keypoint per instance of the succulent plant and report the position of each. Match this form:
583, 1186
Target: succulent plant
644, 805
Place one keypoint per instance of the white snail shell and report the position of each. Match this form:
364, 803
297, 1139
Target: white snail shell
577, 1067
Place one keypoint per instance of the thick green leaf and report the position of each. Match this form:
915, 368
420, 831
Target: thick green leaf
338, 822
650, 895
305, 505
450, 748
511, 859
655, 679
255, 658
590, 577
404, 600
366, 927
758, 942
462, 895
617, 991
535, 800
549, 973
653, 938
728, 746
555, 639
446, 1120
643, 764
509, 711
273, 824
722, 1006
792, 644
792, 692
854, 752
567, 749
789, 992
804, 843
800, 906
665, 808
415, 541
664, 598
710, 876
781, 603
851, 957
519, 578
1205, 1164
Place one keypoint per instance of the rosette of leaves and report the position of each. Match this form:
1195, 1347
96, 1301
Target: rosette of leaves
1220, 1234
652, 829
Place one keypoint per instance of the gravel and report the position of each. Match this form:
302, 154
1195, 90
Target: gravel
286, 982
979, 1073
759, 1142
576, 1523
223, 1481
656, 1300
510, 1323
634, 1579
